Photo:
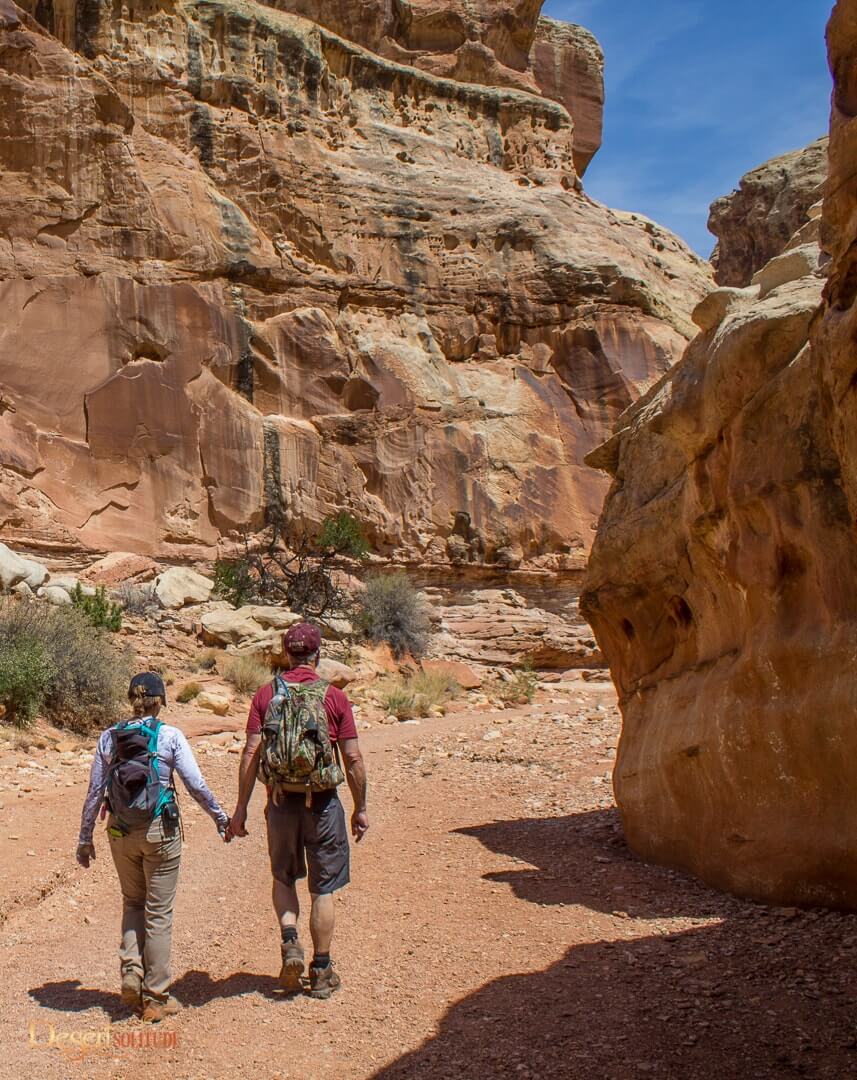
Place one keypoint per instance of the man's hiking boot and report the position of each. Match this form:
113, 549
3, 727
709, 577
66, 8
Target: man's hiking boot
131, 990
323, 981
156, 1011
293, 967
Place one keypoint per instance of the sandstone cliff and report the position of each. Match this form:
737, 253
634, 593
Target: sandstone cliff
755, 223
250, 266
722, 582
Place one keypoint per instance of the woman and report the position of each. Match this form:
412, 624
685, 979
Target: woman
133, 769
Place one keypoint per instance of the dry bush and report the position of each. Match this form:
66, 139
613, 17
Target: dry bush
55, 662
246, 673
137, 600
391, 610
521, 688
207, 660
418, 694
188, 692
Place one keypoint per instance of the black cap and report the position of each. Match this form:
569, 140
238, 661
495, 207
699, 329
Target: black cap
152, 684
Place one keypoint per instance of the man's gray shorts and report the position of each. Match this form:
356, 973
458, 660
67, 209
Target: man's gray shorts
315, 838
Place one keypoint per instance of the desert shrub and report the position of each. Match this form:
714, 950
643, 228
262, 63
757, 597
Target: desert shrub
89, 675
344, 535
398, 700
246, 673
420, 693
207, 660
235, 582
25, 674
390, 609
136, 600
188, 692
98, 610
290, 566
521, 688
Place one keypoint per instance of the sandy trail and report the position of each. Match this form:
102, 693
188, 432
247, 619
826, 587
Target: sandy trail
496, 927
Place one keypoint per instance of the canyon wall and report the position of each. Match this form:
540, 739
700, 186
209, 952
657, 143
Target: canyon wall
754, 223
723, 581
255, 264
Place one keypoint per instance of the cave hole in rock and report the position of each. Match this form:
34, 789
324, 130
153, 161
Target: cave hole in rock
628, 629
681, 611
148, 350
359, 394
790, 564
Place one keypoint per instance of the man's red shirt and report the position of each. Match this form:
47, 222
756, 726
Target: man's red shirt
340, 718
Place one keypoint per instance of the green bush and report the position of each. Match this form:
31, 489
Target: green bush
390, 609
344, 535
188, 692
25, 675
88, 675
246, 673
99, 610
235, 582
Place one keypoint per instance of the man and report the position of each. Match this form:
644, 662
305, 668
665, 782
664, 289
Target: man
306, 831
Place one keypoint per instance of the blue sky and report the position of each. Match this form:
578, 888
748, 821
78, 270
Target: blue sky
698, 93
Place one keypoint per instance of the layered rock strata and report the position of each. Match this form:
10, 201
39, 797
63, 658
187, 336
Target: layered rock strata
723, 581
250, 269
755, 223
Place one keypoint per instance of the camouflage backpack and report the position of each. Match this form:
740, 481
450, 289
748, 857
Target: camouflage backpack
297, 752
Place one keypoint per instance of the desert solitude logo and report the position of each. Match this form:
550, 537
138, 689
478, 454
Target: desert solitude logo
109, 1040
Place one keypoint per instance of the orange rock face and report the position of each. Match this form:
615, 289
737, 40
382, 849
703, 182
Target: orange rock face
250, 266
722, 581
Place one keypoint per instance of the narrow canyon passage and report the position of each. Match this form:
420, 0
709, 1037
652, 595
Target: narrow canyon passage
496, 926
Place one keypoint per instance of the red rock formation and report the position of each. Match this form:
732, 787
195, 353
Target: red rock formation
723, 581
247, 265
755, 223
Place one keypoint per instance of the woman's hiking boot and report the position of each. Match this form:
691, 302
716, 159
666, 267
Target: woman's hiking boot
323, 981
293, 967
156, 1011
131, 990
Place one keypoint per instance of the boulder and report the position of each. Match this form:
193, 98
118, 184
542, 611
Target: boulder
792, 265
179, 586
336, 629
55, 595
118, 567
14, 569
335, 673
228, 626
69, 584
210, 701
464, 675
274, 618
374, 660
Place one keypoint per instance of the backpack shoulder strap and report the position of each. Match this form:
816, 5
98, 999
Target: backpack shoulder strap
153, 728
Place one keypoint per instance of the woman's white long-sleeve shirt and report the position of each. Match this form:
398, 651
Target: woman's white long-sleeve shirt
174, 755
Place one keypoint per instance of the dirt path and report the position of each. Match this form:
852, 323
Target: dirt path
496, 927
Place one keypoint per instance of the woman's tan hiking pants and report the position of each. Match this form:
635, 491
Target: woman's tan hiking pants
147, 862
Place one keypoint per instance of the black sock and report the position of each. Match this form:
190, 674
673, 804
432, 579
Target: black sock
321, 960
290, 933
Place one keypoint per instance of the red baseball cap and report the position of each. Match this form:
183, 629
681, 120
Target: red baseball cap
302, 639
